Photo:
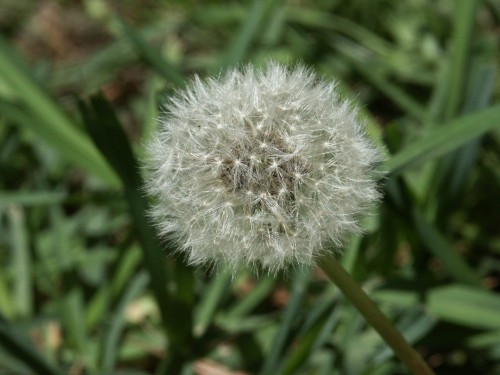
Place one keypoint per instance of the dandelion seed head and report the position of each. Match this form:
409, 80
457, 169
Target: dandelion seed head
263, 168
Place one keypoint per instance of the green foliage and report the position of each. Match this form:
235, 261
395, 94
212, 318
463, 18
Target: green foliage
85, 285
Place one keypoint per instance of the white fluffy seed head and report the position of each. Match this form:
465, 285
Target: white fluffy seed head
264, 168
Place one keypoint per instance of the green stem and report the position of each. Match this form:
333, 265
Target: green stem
374, 316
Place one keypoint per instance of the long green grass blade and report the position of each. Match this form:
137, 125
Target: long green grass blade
116, 326
313, 18
274, 356
441, 140
433, 240
151, 55
453, 172
211, 299
106, 131
250, 27
99, 304
31, 198
17, 346
70, 301
465, 18
467, 306
312, 337
443, 250
399, 96
243, 307
21, 262
6, 298
44, 117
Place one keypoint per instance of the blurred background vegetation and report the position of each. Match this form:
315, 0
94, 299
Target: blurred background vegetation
86, 288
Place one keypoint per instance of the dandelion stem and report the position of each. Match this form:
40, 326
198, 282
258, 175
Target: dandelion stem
374, 316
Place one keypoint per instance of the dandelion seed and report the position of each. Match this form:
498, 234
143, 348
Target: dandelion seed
286, 174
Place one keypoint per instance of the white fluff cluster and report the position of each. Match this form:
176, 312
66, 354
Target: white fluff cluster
263, 168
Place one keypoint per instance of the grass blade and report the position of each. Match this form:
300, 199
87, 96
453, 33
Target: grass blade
434, 241
21, 262
151, 55
465, 17
31, 198
97, 307
176, 309
273, 358
70, 301
399, 96
44, 117
243, 307
467, 306
312, 338
443, 250
453, 172
444, 139
19, 348
243, 39
212, 297
112, 336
